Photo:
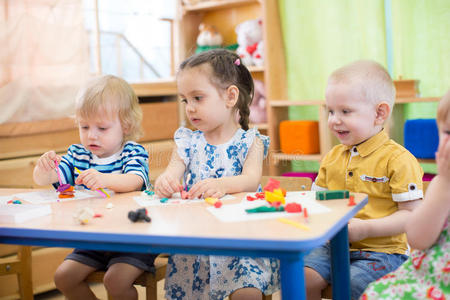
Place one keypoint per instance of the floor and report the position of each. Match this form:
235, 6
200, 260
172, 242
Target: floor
100, 292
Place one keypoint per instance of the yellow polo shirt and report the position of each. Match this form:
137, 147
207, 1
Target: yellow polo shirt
380, 168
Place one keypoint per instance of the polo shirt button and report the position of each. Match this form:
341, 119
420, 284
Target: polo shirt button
350, 173
355, 150
412, 187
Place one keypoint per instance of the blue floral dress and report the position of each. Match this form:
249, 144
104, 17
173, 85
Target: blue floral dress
216, 277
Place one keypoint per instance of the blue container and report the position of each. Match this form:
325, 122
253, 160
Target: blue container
421, 137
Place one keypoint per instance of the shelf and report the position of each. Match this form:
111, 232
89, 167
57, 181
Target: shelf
416, 100
255, 69
261, 126
277, 157
426, 160
216, 5
286, 103
162, 87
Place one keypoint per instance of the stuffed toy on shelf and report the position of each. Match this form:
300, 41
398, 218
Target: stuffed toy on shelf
208, 38
258, 112
250, 42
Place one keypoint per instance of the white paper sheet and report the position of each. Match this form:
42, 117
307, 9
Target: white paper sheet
50, 196
18, 213
236, 212
146, 200
5, 199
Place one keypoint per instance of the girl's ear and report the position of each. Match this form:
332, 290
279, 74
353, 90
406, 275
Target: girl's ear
232, 96
382, 113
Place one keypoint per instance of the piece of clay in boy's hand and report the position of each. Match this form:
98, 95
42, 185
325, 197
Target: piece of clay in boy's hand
184, 195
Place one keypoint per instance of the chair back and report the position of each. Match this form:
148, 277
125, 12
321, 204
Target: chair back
290, 184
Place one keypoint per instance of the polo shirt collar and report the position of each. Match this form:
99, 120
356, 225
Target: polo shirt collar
372, 144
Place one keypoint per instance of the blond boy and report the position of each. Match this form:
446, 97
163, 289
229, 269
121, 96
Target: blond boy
360, 97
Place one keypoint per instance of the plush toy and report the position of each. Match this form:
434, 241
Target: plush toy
258, 107
208, 38
250, 41
258, 55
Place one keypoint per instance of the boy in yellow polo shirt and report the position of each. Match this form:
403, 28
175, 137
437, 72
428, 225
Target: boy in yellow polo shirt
360, 97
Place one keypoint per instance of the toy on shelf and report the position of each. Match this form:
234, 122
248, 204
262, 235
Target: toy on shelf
208, 38
406, 88
258, 112
250, 42
421, 137
299, 137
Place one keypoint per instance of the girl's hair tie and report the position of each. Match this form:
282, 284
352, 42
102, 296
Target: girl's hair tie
237, 62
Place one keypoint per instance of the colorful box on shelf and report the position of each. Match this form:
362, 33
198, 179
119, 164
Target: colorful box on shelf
299, 137
421, 137
406, 88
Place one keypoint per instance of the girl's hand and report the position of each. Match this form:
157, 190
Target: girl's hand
443, 158
166, 185
93, 179
210, 187
47, 160
357, 230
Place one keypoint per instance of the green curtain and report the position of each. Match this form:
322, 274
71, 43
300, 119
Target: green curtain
421, 30
322, 35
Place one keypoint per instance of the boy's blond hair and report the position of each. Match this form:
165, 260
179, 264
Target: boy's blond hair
370, 77
443, 109
109, 94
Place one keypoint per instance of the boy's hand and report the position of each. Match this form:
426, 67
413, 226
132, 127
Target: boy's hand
47, 160
93, 179
210, 187
443, 157
357, 230
166, 185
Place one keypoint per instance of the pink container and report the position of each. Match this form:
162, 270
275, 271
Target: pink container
428, 176
301, 174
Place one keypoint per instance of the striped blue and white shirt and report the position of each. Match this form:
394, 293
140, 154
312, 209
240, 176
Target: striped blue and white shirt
133, 158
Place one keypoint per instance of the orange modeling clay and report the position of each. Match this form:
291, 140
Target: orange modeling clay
66, 191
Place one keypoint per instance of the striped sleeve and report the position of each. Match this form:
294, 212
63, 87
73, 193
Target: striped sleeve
66, 167
135, 161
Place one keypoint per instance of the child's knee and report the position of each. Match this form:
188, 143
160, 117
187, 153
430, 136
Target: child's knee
63, 279
116, 284
313, 280
246, 293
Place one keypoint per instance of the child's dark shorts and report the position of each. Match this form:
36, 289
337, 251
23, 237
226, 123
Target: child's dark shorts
102, 260
365, 266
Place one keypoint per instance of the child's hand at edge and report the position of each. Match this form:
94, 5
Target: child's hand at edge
210, 187
357, 230
48, 161
93, 179
443, 158
166, 185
